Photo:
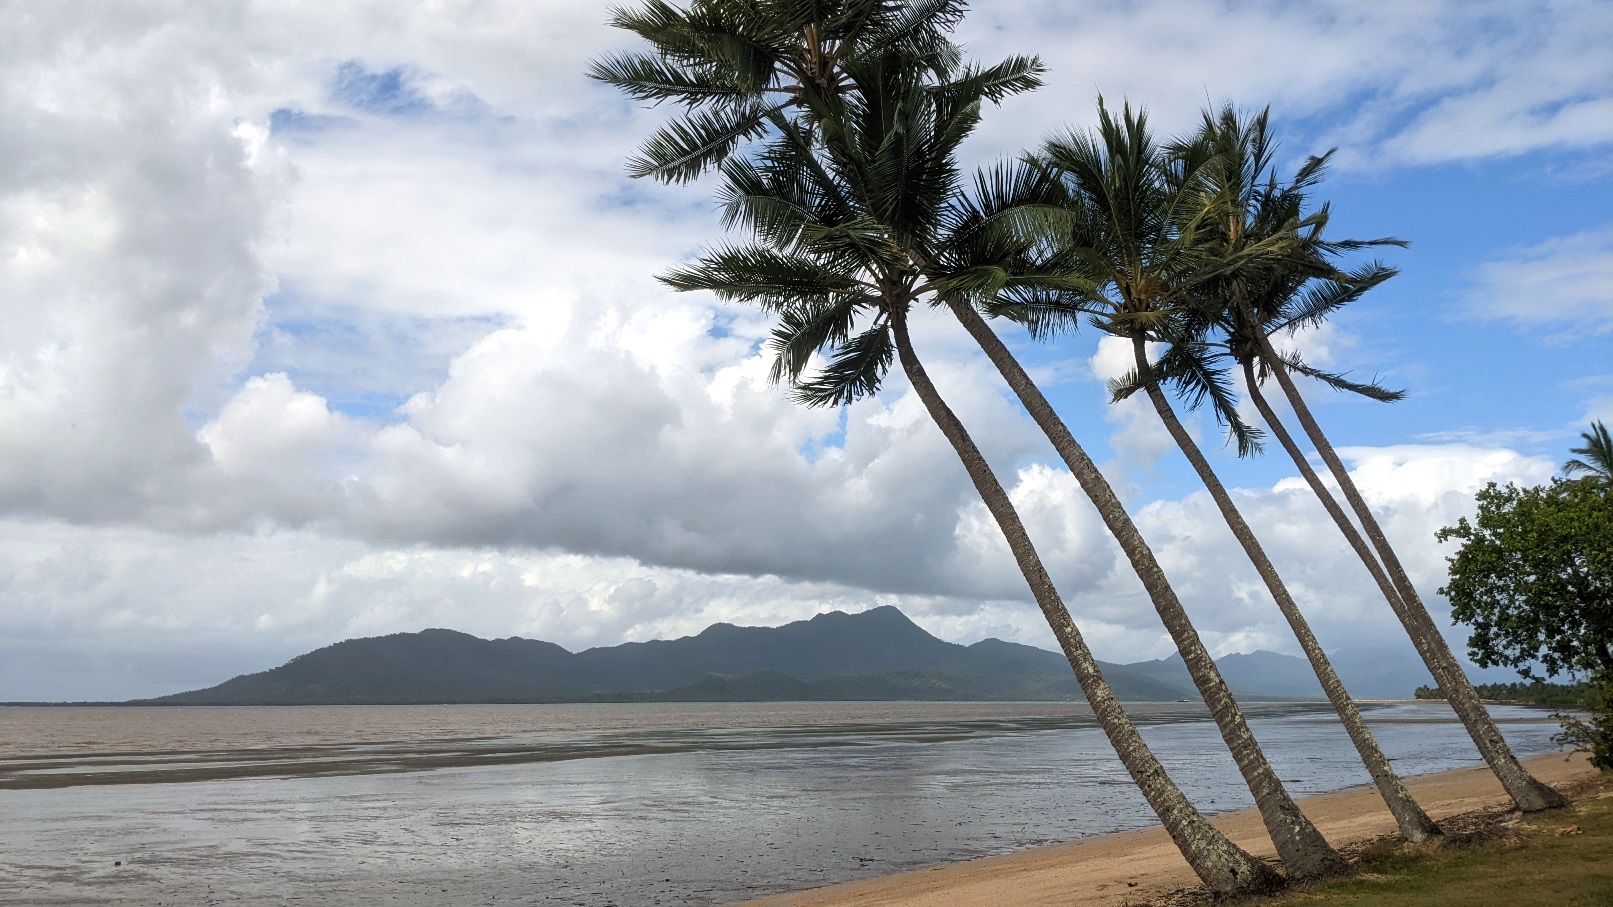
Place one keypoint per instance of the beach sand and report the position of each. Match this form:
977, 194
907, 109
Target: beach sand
1135, 866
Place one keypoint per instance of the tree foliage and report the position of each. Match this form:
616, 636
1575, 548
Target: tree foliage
742, 69
1251, 259
1534, 578
1535, 692
1591, 733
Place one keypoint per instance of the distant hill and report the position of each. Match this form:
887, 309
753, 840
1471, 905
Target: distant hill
1393, 673
877, 654
1265, 675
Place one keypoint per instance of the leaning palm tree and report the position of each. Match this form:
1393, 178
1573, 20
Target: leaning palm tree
1598, 454
1302, 289
839, 261
1414, 823
1103, 189
1134, 246
851, 188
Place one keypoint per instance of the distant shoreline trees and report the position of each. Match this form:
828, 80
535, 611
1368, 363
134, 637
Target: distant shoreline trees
1537, 692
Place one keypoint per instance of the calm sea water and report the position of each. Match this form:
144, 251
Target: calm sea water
624, 804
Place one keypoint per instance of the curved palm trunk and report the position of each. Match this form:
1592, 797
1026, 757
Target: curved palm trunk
1527, 792
1414, 823
1222, 865
1304, 852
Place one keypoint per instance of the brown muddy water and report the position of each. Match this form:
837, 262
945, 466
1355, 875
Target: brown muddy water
613, 804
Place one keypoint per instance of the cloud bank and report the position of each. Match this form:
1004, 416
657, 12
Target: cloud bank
342, 320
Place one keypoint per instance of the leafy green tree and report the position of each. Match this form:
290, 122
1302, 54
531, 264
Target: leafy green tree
1593, 736
854, 200
1534, 578
1536, 692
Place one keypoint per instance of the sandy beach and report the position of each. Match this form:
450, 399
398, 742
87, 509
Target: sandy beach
1135, 866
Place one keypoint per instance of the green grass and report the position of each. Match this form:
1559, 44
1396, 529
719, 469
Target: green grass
1491, 865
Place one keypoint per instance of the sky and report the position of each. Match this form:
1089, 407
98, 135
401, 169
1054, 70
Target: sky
327, 320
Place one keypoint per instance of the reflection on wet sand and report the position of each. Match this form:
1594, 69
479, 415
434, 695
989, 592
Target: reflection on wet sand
619, 804
46, 748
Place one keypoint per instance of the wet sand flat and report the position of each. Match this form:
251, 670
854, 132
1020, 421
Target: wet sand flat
695, 804
1137, 865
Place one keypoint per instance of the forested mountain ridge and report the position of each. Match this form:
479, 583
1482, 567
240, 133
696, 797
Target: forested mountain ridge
876, 654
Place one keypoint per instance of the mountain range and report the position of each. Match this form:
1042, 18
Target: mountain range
877, 654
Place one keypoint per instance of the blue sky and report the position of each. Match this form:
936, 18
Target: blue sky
339, 321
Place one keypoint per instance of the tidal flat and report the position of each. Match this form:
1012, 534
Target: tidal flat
628, 804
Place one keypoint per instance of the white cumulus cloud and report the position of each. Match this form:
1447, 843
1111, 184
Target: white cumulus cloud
341, 319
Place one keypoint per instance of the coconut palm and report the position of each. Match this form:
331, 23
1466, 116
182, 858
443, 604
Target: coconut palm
1120, 264
1598, 454
737, 66
847, 200
1299, 289
1528, 793
1189, 365
1189, 362
1413, 822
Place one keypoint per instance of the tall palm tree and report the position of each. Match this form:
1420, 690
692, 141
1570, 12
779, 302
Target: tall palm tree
1189, 363
1107, 191
1136, 263
1414, 823
1302, 288
1598, 454
1528, 793
845, 200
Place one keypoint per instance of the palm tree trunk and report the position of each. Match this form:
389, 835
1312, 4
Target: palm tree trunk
1527, 792
1304, 852
1414, 823
1222, 865
1358, 544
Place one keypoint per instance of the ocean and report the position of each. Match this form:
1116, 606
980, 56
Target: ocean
610, 804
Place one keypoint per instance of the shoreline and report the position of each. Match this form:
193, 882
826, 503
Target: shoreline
1139, 865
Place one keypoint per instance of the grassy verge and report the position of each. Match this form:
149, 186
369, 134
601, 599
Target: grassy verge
1556, 859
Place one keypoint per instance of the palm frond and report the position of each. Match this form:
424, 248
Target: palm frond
1322, 297
643, 77
1123, 387
753, 65
806, 328
1194, 372
917, 25
1043, 312
755, 273
691, 144
1337, 380
1598, 454
856, 370
996, 83
714, 37
655, 21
